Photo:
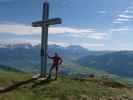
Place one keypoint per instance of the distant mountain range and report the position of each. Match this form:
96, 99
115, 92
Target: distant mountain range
119, 63
26, 57
9, 69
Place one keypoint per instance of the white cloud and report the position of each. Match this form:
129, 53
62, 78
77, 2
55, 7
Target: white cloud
121, 29
117, 22
84, 45
60, 43
16, 29
20, 41
69, 30
80, 33
87, 45
93, 35
21, 29
128, 11
126, 16
122, 19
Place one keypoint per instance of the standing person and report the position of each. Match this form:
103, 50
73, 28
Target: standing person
57, 60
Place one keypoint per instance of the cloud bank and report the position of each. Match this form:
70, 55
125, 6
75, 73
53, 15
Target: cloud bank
22, 29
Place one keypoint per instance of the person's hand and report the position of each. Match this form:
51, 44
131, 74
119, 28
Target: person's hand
60, 63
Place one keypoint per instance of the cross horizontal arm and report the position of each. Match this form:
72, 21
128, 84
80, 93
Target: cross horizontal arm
54, 21
47, 22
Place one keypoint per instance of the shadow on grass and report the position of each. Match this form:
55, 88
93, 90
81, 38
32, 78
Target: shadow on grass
15, 85
43, 82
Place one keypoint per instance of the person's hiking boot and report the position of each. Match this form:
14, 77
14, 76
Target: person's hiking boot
56, 78
49, 77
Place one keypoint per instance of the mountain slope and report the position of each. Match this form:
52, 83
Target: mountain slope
119, 63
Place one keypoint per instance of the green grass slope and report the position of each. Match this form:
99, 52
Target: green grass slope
64, 89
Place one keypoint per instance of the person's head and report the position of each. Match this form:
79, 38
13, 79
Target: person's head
56, 54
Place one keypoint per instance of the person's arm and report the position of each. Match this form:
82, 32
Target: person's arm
50, 57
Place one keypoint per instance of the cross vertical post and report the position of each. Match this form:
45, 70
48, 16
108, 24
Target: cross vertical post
44, 37
44, 40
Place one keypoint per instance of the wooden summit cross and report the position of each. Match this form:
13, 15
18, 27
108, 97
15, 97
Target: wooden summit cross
44, 38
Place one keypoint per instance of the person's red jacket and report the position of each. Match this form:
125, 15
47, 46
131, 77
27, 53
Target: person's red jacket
56, 60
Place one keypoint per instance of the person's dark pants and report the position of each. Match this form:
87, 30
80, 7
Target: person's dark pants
51, 69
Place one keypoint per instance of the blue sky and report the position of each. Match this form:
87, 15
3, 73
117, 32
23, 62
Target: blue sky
93, 24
